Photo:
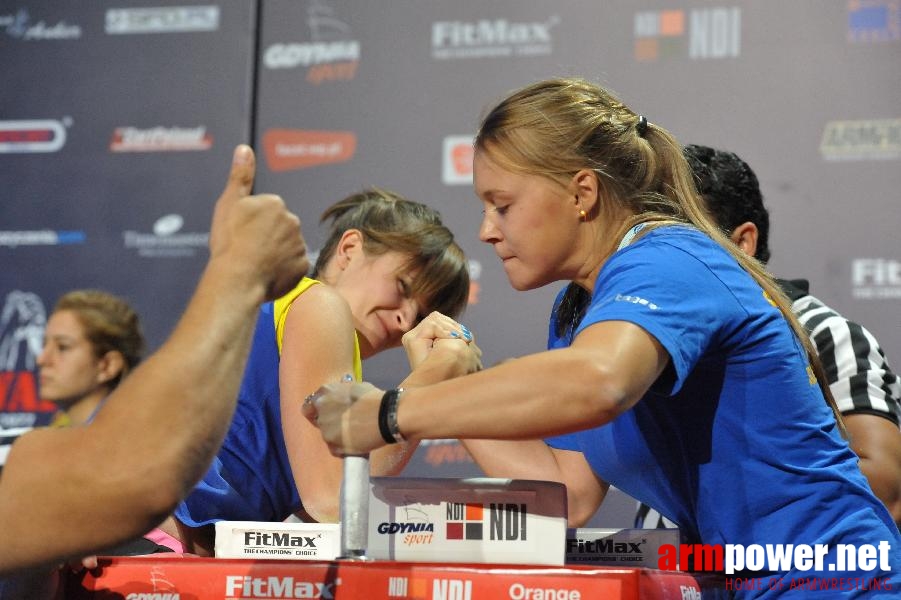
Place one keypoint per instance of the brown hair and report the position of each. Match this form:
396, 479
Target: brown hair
390, 222
109, 324
555, 128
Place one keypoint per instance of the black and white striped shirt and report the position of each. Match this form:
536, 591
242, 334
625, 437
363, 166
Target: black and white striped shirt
857, 371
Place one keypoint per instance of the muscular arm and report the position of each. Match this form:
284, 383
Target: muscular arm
606, 371
533, 459
877, 441
318, 348
608, 368
69, 492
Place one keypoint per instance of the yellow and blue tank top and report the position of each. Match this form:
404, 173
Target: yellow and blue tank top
250, 478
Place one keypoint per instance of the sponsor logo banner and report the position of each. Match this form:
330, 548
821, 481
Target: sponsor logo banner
490, 38
291, 149
456, 163
215, 579
876, 278
701, 33
454, 520
297, 541
874, 21
32, 135
160, 139
331, 54
618, 547
41, 237
865, 139
162, 19
22, 323
494, 521
21, 26
250, 587
475, 286
166, 241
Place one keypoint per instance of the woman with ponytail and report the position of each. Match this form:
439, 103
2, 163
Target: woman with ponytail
675, 368
93, 339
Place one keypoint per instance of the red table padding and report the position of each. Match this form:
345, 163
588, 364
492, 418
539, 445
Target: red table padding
188, 578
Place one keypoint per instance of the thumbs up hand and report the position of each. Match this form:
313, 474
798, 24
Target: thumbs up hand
256, 234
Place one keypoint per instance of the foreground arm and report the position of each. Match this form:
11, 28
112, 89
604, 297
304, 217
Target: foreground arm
70, 492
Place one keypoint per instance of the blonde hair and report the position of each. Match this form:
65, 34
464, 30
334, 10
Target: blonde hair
110, 324
557, 127
390, 222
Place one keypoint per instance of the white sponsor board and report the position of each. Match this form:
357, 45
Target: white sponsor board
478, 520
618, 547
294, 541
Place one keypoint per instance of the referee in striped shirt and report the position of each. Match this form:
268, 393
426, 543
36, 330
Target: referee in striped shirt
866, 390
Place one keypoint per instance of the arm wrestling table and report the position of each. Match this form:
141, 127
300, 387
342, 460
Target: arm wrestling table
163, 577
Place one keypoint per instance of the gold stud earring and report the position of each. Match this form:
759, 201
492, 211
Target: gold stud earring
583, 216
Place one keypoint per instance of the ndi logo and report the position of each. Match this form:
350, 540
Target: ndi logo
876, 278
506, 521
451, 589
404, 587
712, 33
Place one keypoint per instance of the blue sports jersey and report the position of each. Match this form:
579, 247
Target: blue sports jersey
250, 478
735, 441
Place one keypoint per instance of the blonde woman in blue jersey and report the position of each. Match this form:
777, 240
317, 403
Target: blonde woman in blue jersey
389, 272
675, 368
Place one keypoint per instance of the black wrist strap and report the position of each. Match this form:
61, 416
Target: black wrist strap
388, 417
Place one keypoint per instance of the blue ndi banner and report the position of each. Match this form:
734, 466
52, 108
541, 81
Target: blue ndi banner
117, 120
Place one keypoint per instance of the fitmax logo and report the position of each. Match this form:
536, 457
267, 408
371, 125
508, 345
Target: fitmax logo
256, 538
603, 546
876, 278
248, 587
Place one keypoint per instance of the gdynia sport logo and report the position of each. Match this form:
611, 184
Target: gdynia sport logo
756, 566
